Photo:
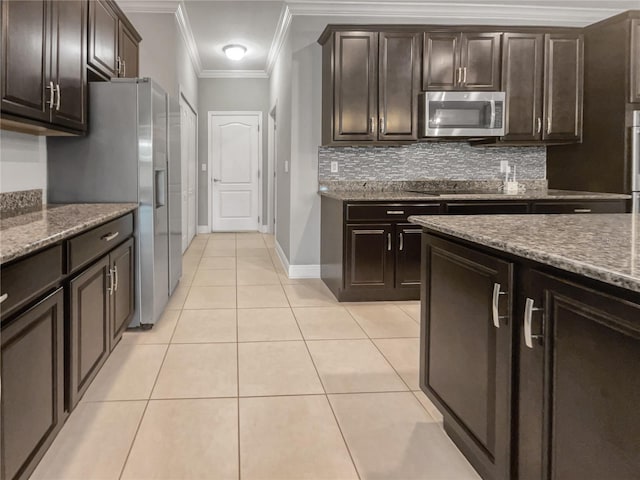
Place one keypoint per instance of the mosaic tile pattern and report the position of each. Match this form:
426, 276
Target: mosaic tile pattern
21, 202
430, 161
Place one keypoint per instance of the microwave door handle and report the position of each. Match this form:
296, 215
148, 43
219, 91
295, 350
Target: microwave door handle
493, 114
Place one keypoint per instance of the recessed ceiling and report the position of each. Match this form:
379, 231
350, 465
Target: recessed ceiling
261, 25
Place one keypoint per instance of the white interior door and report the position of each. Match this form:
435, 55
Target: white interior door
189, 165
235, 169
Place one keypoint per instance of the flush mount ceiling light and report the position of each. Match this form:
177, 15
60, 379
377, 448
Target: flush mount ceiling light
234, 52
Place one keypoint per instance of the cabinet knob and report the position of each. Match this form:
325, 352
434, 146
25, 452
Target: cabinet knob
528, 314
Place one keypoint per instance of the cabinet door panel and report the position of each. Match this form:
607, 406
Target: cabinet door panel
480, 58
398, 77
122, 300
25, 43
522, 71
465, 356
128, 48
103, 37
368, 257
356, 91
409, 246
563, 87
89, 325
32, 385
585, 420
68, 67
440, 61
634, 81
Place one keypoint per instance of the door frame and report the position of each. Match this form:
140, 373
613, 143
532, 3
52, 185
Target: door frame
272, 153
221, 113
183, 98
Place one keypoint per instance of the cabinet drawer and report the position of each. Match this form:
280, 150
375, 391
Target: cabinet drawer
90, 245
23, 280
579, 207
479, 208
389, 212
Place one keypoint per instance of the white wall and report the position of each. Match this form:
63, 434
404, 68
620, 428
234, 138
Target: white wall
229, 94
280, 96
23, 162
163, 55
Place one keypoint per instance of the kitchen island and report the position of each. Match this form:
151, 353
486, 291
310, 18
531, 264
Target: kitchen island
530, 341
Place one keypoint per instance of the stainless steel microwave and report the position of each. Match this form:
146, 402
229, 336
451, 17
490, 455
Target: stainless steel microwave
461, 114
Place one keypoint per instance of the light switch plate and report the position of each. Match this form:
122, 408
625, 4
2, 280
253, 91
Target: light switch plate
286, 166
204, 167
334, 167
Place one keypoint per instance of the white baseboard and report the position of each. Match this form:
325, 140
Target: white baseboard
204, 229
297, 271
304, 271
264, 229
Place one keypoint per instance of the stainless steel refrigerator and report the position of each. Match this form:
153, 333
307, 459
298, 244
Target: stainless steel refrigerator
131, 154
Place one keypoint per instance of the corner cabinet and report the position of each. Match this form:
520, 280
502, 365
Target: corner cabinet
461, 61
44, 86
466, 305
113, 42
370, 86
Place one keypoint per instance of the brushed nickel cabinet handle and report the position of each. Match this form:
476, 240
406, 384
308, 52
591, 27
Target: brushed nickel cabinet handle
548, 125
395, 212
581, 210
381, 126
124, 68
52, 95
118, 65
401, 241
372, 125
388, 241
464, 78
458, 75
528, 313
539, 125
115, 278
59, 95
110, 287
494, 305
4, 297
110, 236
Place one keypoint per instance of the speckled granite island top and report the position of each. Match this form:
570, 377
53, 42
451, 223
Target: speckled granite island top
604, 247
373, 195
24, 234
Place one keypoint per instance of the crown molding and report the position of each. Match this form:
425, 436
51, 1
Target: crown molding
436, 12
152, 6
187, 34
279, 37
233, 74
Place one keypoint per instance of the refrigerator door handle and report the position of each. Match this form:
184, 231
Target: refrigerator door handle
160, 188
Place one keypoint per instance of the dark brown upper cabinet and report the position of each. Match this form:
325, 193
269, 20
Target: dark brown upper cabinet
563, 80
522, 75
461, 61
113, 42
370, 86
43, 65
634, 80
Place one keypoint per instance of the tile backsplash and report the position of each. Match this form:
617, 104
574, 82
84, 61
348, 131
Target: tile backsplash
433, 160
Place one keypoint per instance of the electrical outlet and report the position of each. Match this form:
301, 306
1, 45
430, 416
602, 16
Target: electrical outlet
334, 167
504, 166
204, 167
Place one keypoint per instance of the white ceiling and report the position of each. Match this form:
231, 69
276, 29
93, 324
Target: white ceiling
261, 25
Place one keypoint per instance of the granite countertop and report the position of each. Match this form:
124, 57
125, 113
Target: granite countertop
24, 234
373, 195
604, 247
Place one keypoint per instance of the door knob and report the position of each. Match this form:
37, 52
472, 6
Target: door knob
216, 180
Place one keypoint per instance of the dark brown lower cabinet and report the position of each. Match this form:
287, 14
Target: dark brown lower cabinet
409, 246
123, 298
32, 385
466, 341
369, 259
89, 335
579, 387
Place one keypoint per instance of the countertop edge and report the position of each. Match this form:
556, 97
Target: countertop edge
30, 248
541, 256
386, 196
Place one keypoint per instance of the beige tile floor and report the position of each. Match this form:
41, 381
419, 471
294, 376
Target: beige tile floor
252, 375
